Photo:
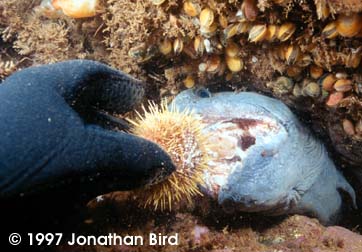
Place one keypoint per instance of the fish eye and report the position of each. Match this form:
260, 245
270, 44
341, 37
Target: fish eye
202, 92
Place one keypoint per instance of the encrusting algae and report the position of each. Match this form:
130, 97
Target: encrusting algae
179, 133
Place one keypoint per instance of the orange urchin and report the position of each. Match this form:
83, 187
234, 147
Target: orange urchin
180, 135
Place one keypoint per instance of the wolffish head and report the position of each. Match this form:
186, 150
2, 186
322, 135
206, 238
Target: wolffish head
248, 131
264, 160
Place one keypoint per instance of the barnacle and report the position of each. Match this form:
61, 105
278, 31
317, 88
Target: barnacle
272, 33
322, 9
250, 10
327, 81
230, 31
349, 25
315, 71
158, 2
189, 81
191, 8
281, 85
206, 17
343, 85
330, 31
292, 54
311, 89
232, 49
178, 45
257, 33
285, 31
334, 99
165, 46
348, 127
235, 64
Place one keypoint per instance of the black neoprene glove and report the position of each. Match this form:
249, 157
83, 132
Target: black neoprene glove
49, 141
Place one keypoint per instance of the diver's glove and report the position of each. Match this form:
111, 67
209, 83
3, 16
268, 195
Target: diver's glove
49, 139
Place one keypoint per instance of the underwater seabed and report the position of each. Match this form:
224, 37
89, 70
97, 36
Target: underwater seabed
203, 227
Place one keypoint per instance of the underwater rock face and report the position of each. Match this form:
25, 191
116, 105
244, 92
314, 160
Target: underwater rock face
266, 160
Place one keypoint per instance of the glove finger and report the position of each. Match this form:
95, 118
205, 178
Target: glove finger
111, 161
132, 161
111, 93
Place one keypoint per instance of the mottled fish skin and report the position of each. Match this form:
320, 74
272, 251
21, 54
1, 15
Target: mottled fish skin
289, 172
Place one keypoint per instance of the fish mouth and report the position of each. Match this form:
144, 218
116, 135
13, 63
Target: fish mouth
241, 127
231, 141
249, 204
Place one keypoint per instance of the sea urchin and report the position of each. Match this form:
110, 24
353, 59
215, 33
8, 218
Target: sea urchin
180, 135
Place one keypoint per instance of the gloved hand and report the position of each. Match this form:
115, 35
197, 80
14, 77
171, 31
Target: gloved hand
50, 144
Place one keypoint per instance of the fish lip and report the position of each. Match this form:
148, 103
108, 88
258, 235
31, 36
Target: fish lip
286, 124
190, 99
252, 205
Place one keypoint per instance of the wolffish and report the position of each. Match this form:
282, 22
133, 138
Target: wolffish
266, 160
